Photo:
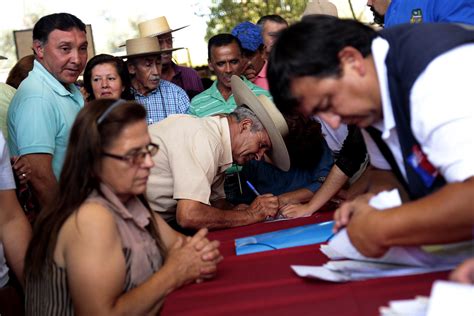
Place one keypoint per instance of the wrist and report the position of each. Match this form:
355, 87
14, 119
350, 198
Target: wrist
379, 229
171, 278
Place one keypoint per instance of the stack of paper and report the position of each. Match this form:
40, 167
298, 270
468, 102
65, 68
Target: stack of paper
447, 298
396, 262
414, 307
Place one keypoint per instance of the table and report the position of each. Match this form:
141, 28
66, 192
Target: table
264, 284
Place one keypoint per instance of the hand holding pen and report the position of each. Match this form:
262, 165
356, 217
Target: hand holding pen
264, 206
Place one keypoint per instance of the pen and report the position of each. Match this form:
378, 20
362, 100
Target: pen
252, 188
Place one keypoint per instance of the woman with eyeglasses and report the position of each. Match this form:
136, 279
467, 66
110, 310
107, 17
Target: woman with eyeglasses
99, 249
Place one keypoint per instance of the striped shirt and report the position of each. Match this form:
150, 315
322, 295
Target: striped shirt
165, 100
212, 102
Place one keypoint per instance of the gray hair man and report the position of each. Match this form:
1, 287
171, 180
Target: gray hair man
186, 183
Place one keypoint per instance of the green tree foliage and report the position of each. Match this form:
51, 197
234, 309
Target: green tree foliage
225, 14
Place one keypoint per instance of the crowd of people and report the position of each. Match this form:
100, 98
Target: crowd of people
134, 166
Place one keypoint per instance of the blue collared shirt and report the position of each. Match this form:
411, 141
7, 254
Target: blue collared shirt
165, 100
41, 115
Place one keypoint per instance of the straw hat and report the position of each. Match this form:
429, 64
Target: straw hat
320, 7
144, 46
271, 118
155, 27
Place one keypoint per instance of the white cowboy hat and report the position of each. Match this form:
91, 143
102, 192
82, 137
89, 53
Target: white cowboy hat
155, 27
271, 118
320, 7
144, 46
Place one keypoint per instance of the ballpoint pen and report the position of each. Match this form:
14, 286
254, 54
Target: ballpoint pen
277, 215
252, 188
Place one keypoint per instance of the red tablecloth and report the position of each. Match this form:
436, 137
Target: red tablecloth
264, 284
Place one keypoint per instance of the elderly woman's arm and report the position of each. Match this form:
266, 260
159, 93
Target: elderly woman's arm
15, 231
89, 245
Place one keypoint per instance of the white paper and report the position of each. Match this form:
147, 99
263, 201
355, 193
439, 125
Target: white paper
413, 307
397, 261
386, 199
447, 299
450, 298
443, 255
349, 270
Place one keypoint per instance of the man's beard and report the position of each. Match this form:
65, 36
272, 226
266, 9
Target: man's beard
378, 18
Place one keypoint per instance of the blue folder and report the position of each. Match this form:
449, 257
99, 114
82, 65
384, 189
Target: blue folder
286, 238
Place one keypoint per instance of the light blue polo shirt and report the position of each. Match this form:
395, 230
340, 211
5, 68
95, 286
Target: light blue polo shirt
41, 115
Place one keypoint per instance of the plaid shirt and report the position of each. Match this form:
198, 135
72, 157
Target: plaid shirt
165, 100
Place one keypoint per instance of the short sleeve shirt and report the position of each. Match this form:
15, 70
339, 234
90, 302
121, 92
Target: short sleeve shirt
6, 174
6, 183
6, 96
211, 101
194, 154
41, 115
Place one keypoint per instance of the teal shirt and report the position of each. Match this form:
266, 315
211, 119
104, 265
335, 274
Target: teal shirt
41, 115
211, 101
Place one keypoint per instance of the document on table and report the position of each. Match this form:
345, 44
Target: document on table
447, 298
285, 238
396, 262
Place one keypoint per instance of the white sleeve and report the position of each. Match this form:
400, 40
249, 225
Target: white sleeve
442, 113
375, 156
6, 175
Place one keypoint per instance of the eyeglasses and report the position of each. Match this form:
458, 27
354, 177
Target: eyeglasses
138, 157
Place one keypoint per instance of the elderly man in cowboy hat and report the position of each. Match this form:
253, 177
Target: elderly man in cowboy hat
186, 183
160, 97
185, 77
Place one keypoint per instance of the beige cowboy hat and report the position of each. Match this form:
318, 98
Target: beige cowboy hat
144, 46
271, 118
320, 7
155, 27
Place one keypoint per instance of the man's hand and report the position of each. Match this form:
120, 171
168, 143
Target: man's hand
361, 220
22, 168
264, 206
240, 207
296, 210
464, 273
363, 230
344, 213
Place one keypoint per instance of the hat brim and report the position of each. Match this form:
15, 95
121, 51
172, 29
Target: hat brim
244, 96
170, 31
150, 53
